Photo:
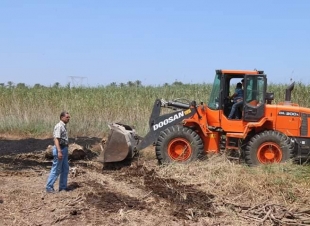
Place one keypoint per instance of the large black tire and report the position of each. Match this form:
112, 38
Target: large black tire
269, 147
178, 144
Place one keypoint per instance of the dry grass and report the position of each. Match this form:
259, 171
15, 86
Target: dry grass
279, 183
236, 186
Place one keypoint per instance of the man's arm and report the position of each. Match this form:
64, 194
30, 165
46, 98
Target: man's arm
57, 144
232, 96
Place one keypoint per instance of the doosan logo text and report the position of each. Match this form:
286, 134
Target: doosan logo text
168, 120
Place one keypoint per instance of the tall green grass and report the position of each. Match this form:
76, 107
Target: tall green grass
33, 111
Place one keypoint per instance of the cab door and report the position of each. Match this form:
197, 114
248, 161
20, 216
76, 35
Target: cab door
254, 97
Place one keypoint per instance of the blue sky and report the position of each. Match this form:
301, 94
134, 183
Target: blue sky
155, 42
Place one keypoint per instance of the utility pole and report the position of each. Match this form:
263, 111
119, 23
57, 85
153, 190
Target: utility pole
76, 80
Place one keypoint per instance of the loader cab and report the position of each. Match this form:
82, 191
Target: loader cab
254, 87
254, 97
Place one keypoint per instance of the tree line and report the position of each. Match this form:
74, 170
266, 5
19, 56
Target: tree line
136, 83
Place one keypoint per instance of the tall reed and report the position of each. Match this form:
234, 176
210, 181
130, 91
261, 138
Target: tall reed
33, 111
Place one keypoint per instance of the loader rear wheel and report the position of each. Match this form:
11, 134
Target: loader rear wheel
178, 144
268, 147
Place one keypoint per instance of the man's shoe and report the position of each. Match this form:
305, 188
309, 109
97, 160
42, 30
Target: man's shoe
66, 189
50, 191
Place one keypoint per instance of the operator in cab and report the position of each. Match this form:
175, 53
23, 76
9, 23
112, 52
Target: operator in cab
238, 102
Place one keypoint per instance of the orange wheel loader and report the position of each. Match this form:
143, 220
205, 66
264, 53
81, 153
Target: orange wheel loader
263, 133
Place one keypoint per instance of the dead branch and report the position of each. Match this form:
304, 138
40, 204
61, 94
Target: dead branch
60, 218
267, 215
74, 202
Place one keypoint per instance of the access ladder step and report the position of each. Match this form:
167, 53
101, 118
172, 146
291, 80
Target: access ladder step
235, 135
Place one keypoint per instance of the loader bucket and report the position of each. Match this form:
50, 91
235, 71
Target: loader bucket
120, 145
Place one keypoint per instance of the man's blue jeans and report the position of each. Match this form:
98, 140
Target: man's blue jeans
234, 110
59, 167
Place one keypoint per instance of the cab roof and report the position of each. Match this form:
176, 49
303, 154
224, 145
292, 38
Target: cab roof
239, 72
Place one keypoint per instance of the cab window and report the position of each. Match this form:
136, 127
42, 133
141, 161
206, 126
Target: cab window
215, 94
254, 90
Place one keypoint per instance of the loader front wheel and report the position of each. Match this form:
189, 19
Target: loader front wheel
268, 147
178, 144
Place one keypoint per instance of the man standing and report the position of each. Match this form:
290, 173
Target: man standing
60, 153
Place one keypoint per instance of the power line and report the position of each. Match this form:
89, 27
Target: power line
77, 80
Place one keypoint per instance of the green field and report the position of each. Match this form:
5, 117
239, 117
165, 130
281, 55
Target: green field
33, 111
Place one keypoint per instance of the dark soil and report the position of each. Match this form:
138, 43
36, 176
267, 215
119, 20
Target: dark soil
110, 201
185, 200
9, 146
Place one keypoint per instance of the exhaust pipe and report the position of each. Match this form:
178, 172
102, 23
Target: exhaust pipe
288, 94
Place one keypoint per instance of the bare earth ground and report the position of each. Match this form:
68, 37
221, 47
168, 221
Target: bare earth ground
130, 195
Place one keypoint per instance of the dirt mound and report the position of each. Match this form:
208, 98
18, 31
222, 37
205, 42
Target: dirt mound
186, 202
